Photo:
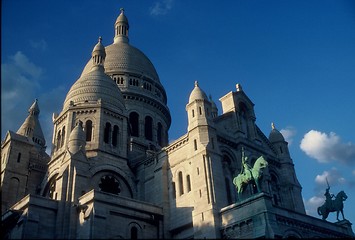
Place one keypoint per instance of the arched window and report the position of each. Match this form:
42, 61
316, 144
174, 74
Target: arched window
134, 233
188, 183
195, 144
148, 128
63, 137
134, 122
160, 134
115, 134
88, 130
181, 184
107, 132
59, 139
19, 157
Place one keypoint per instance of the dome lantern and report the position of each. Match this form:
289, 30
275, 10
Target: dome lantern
121, 28
98, 54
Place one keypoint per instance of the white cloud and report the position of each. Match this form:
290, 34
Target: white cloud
288, 134
161, 7
327, 147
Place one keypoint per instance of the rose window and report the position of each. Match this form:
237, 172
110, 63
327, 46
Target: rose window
109, 184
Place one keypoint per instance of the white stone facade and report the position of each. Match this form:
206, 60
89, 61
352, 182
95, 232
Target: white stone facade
112, 173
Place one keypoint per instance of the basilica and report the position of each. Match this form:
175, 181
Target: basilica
113, 174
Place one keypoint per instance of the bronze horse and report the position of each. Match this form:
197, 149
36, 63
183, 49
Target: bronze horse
333, 205
254, 173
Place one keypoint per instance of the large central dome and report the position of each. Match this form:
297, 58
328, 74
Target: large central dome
124, 58
143, 94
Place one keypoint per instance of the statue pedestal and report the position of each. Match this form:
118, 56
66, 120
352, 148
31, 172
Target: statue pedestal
347, 226
258, 217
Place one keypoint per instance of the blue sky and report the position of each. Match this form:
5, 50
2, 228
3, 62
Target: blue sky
294, 59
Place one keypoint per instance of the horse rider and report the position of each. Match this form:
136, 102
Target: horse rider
328, 198
245, 164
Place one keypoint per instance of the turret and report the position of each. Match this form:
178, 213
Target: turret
198, 109
278, 141
243, 107
98, 55
31, 128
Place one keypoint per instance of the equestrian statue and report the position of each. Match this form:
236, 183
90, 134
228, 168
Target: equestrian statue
332, 205
249, 174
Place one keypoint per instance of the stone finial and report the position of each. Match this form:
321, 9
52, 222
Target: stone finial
272, 126
122, 10
239, 87
196, 83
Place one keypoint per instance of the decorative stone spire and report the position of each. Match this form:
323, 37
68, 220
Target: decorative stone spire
31, 127
98, 54
121, 28
239, 87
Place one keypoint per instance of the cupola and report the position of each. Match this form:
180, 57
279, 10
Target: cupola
121, 28
275, 135
98, 55
197, 94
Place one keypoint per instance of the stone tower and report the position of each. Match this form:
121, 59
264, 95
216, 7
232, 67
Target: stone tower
23, 160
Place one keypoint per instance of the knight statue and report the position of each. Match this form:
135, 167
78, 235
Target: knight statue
332, 205
248, 174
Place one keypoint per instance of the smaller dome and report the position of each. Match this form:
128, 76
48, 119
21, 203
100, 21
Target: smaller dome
77, 139
99, 49
197, 94
275, 135
95, 86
